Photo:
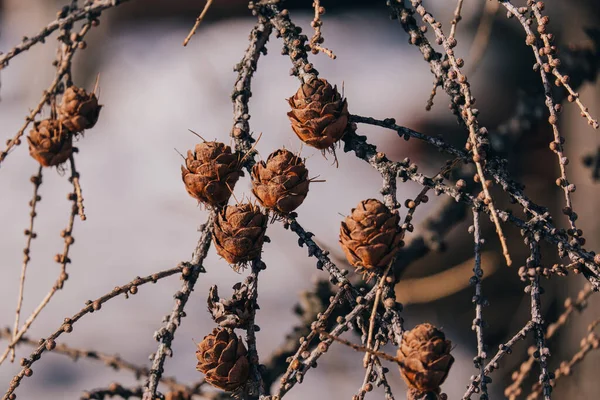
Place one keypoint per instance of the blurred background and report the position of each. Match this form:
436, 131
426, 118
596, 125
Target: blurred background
141, 220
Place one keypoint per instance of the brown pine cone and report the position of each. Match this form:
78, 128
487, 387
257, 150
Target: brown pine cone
79, 110
50, 143
222, 358
370, 236
425, 355
210, 173
239, 233
282, 182
319, 115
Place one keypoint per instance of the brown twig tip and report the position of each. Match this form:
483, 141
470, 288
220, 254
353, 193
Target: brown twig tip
198, 21
551, 54
373, 316
457, 18
77, 188
317, 39
359, 348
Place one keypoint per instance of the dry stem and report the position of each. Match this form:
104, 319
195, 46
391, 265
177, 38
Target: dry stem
63, 259
166, 333
457, 18
198, 21
37, 181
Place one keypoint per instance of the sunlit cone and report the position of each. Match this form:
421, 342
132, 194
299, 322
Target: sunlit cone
222, 358
239, 233
370, 236
50, 143
319, 114
425, 355
79, 110
280, 183
210, 173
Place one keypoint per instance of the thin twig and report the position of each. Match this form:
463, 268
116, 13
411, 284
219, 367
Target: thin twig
77, 186
369, 360
294, 361
562, 80
381, 379
317, 39
374, 312
557, 144
571, 305
589, 342
198, 21
300, 368
362, 349
61, 258
37, 181
503, 350
457, 18
337, 276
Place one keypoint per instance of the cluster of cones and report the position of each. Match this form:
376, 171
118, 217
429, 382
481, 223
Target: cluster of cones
370, 236
51, 140
279, 184
319, 117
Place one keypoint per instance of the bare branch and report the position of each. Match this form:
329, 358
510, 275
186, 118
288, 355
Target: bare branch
49, 343
165, 335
